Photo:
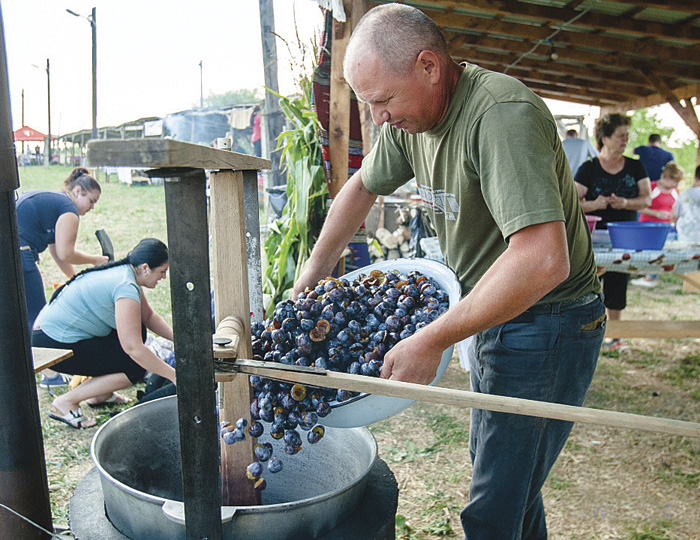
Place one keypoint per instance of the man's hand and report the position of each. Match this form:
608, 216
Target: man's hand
306, 280
411, 360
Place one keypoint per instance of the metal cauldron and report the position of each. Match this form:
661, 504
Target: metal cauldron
137, 454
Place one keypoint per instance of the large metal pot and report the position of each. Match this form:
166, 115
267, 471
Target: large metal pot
138, 456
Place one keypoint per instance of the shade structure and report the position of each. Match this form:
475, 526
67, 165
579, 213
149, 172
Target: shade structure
26, 133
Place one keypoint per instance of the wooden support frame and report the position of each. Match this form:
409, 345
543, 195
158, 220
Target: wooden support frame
183, 164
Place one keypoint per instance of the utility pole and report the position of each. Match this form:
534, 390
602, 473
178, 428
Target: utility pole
22, 117
201, 86
92, 19
48, 93
273, 118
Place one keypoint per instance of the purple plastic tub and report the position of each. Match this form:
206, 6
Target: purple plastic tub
638, 235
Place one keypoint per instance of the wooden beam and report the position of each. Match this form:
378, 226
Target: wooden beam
574, 99
608, 59
167, 153
686, 112
652, 100
588, 72
592, 19
652, 329
674, 5
339, 114
634, 46
45, 358
585, 92
231, 299
574, 83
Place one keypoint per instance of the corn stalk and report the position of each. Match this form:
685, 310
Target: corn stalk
294, 234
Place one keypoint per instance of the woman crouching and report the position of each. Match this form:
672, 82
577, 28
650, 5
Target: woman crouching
102, 314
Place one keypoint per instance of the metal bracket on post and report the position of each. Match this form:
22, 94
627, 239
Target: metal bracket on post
186, 208
252, 241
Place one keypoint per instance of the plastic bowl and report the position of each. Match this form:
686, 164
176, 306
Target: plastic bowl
638, 235
592, 220
367, 409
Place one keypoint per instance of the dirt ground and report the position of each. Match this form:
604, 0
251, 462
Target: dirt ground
607, 484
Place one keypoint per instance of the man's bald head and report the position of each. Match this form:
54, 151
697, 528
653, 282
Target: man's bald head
395, 34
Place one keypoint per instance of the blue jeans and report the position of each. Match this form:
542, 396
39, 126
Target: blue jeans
548, 353
33, 287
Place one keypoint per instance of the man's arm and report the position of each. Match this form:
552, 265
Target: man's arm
349, 209
535, 262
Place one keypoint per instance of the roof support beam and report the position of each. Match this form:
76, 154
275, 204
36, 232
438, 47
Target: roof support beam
685, 110
612, 59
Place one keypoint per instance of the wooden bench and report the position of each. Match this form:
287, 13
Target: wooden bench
45, 358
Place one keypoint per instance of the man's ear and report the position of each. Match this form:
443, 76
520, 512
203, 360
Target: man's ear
429, 65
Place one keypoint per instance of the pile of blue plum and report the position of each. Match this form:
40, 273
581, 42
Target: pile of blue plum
340, 325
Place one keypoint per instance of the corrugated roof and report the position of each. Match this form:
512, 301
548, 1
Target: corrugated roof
610, 53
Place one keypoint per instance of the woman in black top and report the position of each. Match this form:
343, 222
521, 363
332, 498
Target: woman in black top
613, 187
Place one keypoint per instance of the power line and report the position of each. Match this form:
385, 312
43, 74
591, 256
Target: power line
548, 38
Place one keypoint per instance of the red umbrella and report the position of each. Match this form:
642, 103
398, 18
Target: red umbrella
25, 133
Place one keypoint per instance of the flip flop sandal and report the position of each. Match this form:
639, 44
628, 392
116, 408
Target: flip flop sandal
73, 419
114, 399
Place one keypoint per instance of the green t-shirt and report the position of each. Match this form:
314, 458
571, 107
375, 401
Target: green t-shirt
492, 166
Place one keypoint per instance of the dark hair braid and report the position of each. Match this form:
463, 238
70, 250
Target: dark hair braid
151, 251
120, 262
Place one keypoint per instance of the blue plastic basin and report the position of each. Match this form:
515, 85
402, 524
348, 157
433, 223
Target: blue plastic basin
638, 235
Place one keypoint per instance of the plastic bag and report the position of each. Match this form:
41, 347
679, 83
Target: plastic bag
420, 228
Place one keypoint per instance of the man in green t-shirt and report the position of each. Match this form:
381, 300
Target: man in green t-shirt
492, 172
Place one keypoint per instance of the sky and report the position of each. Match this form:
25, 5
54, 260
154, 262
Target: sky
148, 55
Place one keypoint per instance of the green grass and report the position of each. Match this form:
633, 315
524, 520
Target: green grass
658, 532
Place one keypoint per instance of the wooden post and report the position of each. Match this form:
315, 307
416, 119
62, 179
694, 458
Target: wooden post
339, 114
23, 483
273, 118
186, 213
231, 298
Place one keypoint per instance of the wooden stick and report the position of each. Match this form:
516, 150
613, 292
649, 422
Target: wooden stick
462, 398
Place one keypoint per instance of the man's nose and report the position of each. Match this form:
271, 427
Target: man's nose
379, 114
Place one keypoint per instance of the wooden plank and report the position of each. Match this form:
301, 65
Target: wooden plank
45, 357
231, 298
653, 329
475, 400
339, 114
652, 100
168, 153
188, 238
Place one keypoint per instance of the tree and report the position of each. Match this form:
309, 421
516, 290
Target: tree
233, 97
644, 123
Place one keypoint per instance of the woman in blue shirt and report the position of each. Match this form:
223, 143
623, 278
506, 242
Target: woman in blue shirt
50, 219
102, 314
